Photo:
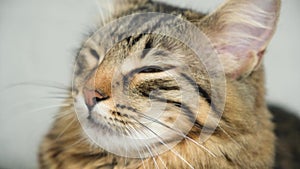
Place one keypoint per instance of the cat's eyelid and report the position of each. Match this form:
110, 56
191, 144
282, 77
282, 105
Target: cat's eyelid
153, 69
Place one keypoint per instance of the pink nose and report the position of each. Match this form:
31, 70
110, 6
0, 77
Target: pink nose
92, 97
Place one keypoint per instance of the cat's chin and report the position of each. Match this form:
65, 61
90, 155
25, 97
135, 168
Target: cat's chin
115, 142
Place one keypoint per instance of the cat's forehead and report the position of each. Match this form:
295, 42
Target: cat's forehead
144, 47
146, 39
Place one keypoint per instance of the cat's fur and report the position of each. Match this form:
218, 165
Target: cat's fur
287, 131
244, 137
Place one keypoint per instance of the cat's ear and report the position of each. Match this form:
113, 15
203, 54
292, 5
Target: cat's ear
240, 31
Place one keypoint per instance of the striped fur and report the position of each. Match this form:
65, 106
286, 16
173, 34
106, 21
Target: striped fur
243, 138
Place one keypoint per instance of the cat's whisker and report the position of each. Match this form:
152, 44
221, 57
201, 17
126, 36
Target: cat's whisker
65, 129
161, 141
126, 151
111, 10
178, 132
49, 107
152, 156
65, 93
64, 114
105, 12
67, 98
100, 11
76, 143
163, 163
35, 100
38, 84
141, 158
158, 157
227, 134
198, 144
230, 137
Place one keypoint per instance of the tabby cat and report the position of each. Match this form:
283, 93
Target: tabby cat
164, 87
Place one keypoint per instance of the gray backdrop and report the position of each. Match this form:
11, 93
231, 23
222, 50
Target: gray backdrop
38, 39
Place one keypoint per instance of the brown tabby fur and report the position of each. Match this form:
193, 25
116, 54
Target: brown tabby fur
246, 139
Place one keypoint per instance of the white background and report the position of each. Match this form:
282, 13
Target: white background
38, 39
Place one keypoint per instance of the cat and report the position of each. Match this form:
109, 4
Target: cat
148, 100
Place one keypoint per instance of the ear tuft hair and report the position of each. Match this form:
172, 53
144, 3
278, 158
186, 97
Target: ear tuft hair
121, 5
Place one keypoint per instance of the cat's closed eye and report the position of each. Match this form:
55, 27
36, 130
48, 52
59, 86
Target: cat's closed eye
151, 69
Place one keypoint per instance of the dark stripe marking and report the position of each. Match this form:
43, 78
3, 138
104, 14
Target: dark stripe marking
147, 49
198, 88
95, 54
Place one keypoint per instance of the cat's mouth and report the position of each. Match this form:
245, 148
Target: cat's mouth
101, 117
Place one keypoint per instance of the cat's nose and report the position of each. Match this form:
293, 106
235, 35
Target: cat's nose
92, 97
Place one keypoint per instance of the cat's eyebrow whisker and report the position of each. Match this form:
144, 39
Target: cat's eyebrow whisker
161, 141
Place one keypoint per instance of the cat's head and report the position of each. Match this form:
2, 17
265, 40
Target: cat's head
145, 81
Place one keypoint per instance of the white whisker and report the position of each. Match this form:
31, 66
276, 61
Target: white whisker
138, 149
65, 129
49, 107
169, 148
100, 11
163, 163
153, 157
179, 133
76, 143
35, 100
64, 114
38, 84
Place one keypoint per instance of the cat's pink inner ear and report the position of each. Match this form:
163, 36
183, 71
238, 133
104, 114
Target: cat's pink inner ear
241, 32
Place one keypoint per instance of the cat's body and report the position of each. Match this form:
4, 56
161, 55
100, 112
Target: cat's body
244, 136
287, 131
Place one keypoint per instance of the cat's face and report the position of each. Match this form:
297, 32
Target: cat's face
136, 96
149, 91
